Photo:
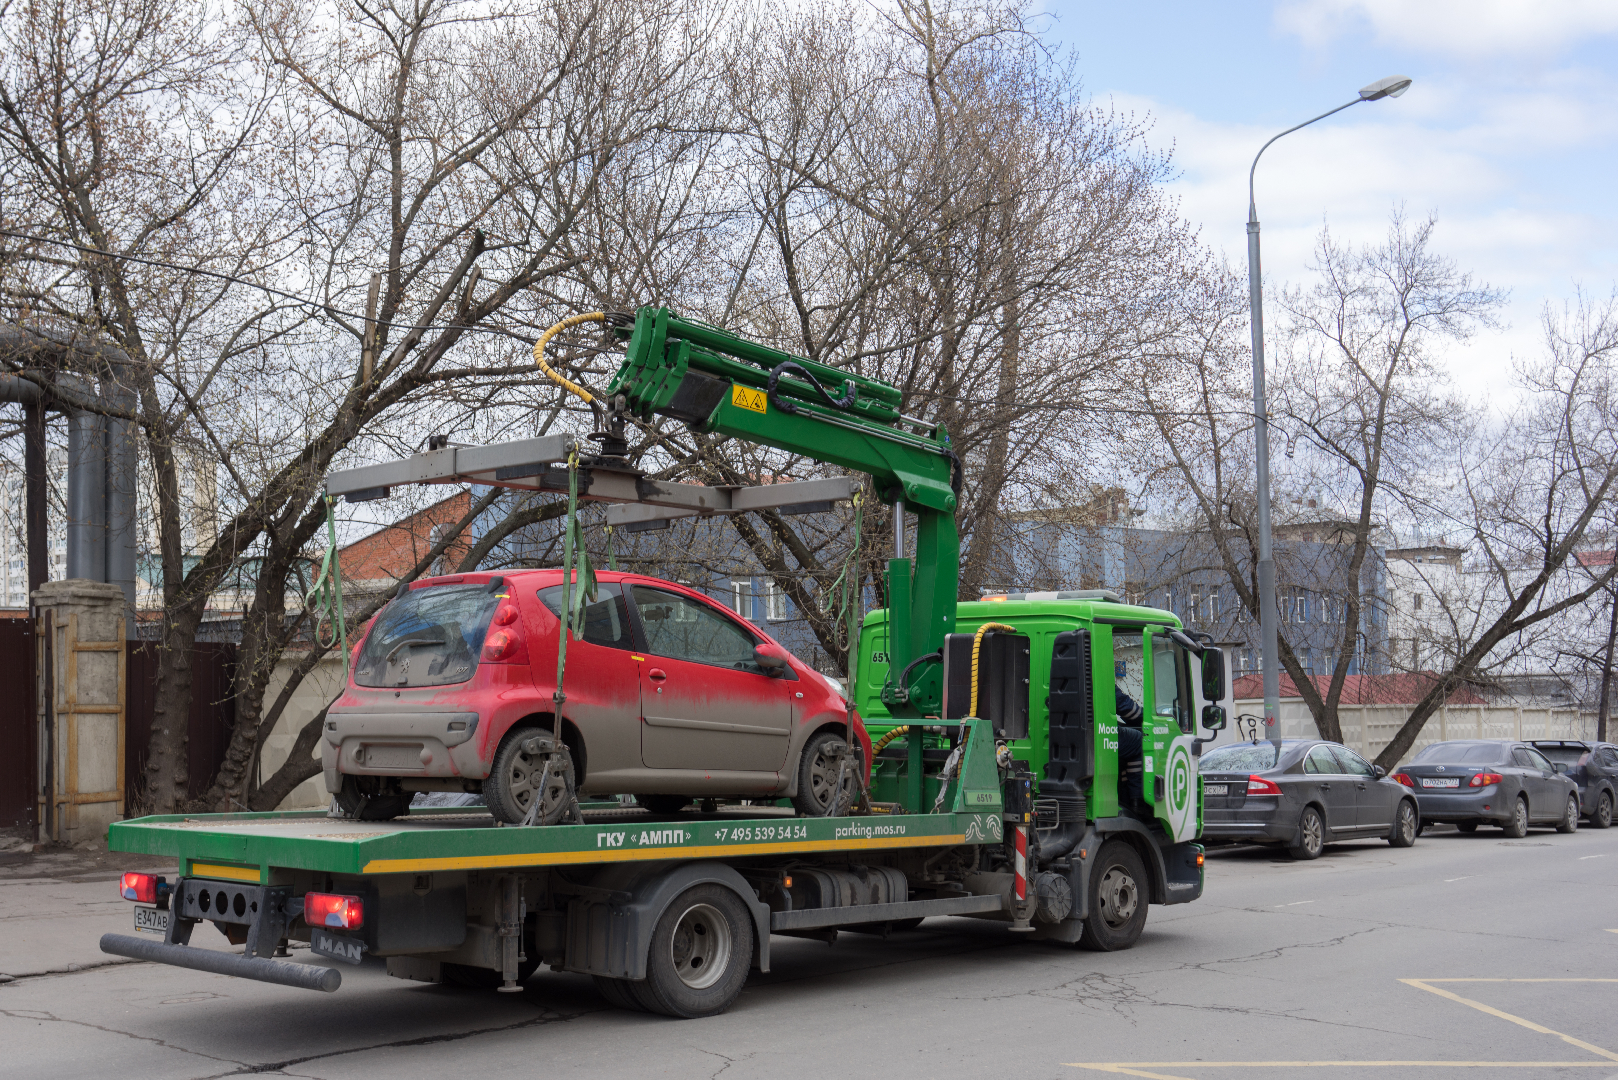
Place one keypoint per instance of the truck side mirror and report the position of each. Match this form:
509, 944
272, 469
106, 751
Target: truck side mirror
1213, 677
1213, 717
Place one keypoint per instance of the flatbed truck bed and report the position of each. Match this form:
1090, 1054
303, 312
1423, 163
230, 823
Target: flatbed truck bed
668, 912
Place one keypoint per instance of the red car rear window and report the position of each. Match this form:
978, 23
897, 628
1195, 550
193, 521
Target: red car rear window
427, 637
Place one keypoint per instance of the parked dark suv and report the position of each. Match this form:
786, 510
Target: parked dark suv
1594, 767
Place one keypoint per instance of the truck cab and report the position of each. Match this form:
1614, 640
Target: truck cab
1051, 671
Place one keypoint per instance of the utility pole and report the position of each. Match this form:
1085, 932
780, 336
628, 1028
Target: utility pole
1269, 637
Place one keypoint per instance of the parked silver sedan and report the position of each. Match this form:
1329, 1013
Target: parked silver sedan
1317, 792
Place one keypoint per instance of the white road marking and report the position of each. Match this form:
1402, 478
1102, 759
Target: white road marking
1463, 878
1583, 857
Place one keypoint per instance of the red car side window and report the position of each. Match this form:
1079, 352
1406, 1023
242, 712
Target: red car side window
685, 629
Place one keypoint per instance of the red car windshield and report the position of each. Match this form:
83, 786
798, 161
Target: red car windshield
427, 637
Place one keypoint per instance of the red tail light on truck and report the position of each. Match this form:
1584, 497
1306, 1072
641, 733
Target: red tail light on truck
332, 909
142, 888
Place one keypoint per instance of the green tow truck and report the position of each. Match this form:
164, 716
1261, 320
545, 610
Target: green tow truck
997, 789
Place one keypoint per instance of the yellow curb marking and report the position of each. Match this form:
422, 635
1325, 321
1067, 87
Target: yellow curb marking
1140, 1068
1519, 1021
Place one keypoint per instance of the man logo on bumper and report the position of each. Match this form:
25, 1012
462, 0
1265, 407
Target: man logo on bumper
348, 950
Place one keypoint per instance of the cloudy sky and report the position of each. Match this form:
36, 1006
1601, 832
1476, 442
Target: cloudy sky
1507, 135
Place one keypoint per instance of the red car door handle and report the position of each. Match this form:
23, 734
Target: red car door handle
657, 673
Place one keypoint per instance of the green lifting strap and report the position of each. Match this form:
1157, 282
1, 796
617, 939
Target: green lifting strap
325, 600
572, 601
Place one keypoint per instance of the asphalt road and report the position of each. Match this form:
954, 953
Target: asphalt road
1464, 950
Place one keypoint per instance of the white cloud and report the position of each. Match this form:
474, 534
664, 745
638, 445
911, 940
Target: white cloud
1472, 28
1494, 164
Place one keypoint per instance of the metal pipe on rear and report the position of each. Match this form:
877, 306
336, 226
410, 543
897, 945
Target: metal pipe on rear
305, 976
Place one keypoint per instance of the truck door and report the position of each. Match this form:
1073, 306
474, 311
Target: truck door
706, 702
1170, 776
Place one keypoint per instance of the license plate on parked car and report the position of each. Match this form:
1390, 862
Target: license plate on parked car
1442, 781
1216, 789
150, 918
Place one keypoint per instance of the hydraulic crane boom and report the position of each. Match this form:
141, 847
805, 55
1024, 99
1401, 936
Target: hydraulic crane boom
721, 384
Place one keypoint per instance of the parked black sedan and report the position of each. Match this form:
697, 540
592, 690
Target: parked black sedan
1315, 793
1473, 782
1594, 768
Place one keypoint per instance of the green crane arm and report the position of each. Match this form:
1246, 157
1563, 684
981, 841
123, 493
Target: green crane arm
723, 384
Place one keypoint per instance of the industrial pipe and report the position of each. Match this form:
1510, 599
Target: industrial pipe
102, 457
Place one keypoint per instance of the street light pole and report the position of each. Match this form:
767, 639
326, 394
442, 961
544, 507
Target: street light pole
1269, 654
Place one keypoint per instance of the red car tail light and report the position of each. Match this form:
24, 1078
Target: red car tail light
502, 644
1257, 785
1403, 779
330, 909
1484, 779
142, 888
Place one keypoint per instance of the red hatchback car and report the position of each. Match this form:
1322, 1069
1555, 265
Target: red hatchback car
669, 697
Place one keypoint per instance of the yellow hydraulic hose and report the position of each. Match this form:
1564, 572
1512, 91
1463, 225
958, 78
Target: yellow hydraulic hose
902, 729
977, 643
550, 373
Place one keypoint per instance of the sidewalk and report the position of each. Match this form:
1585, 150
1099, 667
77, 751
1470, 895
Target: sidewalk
54, 907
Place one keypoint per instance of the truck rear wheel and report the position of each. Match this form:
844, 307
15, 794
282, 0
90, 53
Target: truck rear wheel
619, 993
1118, 899
701, 951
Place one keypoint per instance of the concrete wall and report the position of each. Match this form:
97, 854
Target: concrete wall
1367, 729
318, 689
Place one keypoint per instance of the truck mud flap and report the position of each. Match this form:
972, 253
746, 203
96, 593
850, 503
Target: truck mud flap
1182, 867
306, 976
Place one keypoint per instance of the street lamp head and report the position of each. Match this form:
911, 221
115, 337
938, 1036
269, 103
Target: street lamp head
1392, 86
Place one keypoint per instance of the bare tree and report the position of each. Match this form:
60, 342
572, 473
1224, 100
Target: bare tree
1359, 394
1531, 493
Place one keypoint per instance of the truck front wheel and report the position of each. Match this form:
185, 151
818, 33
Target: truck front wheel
701, 951
1118, 899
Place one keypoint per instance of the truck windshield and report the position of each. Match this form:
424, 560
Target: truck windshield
1171, 690
427, 637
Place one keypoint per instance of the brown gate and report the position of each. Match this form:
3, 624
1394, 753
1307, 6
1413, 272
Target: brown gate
213, 713
19, 754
